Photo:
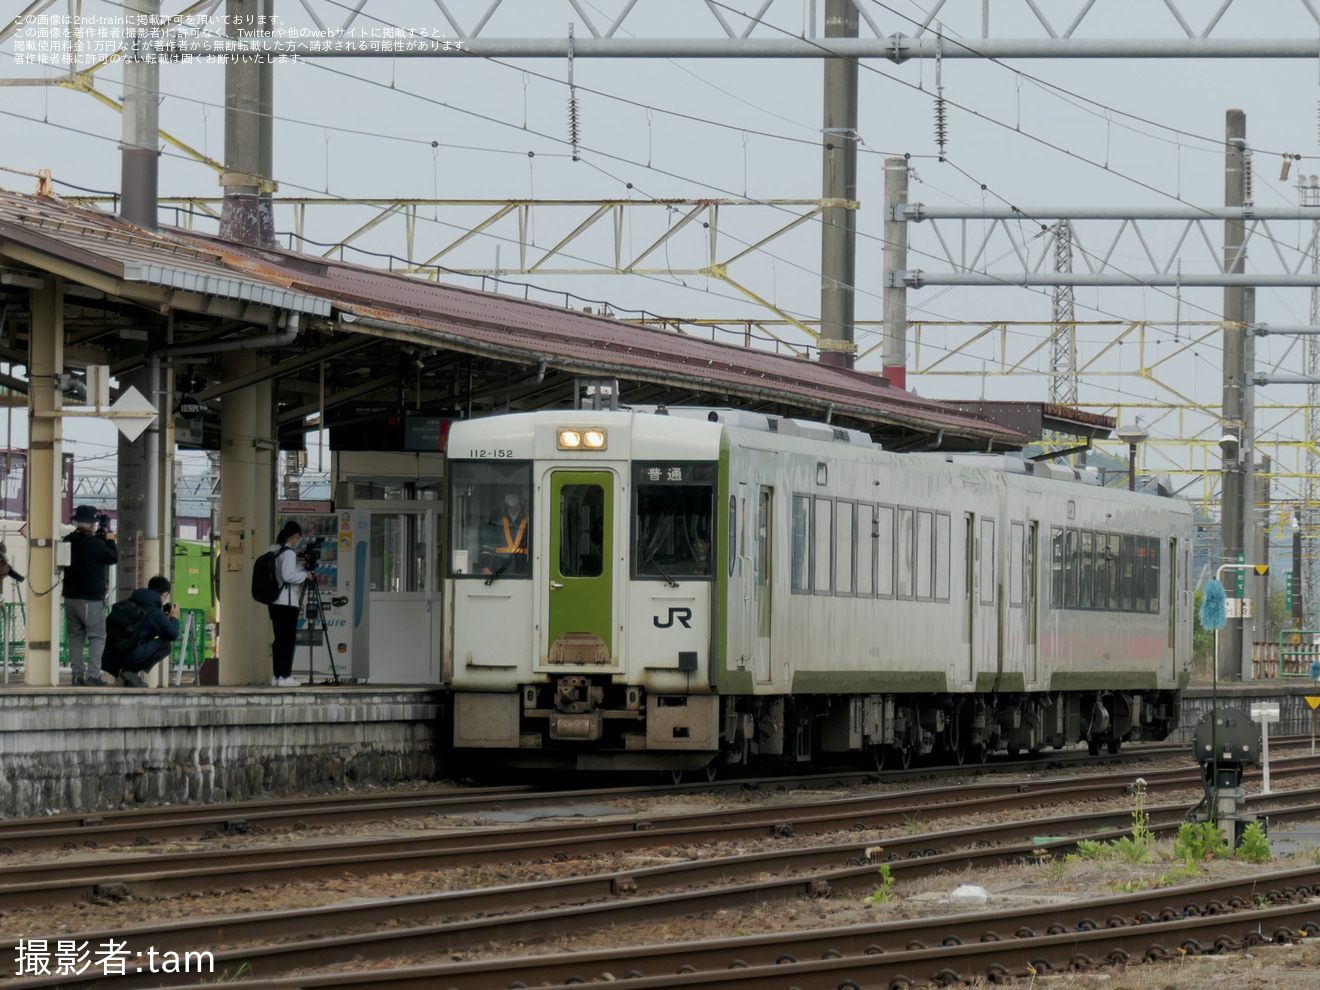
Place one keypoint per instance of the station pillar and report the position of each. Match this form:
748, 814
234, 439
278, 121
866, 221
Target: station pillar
45, 482
247, 517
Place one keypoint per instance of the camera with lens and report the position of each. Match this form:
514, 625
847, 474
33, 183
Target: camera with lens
102, 524
311, 553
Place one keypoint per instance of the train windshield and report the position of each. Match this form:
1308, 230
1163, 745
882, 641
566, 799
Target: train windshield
490, 512
675, 505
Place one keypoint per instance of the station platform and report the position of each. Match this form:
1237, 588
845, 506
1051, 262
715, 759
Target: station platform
68, 749
1289, 693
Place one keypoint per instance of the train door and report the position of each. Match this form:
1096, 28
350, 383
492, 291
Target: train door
738, 633
761, 584
405, 595
1176, 607
968, 671
1029, 592
581, 586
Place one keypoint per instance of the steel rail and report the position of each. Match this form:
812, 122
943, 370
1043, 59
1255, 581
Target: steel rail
141, 826
41, 884
613, 889
44, 883
928, 934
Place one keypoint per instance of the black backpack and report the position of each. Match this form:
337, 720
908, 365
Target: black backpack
266, 583
123, 626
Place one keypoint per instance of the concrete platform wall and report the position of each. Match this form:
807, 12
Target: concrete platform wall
69, 749
1290, 695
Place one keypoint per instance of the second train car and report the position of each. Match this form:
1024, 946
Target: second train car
685, 589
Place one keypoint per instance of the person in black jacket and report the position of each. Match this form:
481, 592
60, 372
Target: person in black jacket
84, 593
157, 631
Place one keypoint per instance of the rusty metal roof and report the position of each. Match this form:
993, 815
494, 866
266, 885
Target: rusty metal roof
400, 306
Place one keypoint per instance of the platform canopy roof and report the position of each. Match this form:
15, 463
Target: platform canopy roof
374, 335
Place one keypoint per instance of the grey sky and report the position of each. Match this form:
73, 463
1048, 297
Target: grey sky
355, 127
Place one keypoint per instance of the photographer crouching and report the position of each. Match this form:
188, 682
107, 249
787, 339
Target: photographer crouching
284, 609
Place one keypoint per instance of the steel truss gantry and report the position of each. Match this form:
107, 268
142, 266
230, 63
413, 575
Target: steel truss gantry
619, 29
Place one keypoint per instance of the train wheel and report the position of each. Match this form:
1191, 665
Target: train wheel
712, 771
904, 754
981, 752
1113, 746
675, 776
1093, 747
960, 753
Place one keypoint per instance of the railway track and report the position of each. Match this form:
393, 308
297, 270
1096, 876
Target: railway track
611, 899
1153, 925
145, 826
64, 881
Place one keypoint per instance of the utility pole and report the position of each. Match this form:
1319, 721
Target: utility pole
838, 237
895, 258
1233, 443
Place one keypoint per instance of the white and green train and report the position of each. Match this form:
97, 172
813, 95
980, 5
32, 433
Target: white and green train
690, 588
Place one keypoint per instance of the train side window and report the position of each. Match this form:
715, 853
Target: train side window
1101, 571
801, 556
822, 545
733, 532
1086, 579
1056, 567
1016, 541
867, 538
987, 561
1114, 555
903, 551
925, 552
1072, 565
884, 551
845, 543
1128, 563
1152, 574
943, 547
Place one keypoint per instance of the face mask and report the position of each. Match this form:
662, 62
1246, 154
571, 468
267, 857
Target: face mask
512, 501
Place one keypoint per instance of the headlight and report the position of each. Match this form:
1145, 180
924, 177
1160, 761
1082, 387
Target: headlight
572, 438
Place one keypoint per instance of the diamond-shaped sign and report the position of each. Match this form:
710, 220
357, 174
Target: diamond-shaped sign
132, 413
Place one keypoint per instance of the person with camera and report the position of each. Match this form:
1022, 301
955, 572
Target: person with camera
91, 549
284, 610
140, 633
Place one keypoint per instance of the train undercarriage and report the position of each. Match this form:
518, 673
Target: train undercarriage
580, 723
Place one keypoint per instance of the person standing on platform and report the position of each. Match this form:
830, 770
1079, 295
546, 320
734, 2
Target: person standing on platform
284, 610
140, 633
91, 549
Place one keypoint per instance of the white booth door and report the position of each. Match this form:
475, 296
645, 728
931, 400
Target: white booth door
404, 595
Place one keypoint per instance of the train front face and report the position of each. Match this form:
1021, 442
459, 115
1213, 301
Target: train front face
580, 589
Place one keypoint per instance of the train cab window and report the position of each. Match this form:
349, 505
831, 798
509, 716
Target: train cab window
675, 507
490, 511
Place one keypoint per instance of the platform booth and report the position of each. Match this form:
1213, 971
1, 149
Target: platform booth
389, 546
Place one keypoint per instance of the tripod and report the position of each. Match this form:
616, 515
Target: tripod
312, 605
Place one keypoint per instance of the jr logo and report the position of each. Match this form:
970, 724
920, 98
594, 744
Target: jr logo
683, 615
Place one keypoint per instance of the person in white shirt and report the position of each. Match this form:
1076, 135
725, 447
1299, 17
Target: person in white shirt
284, 610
